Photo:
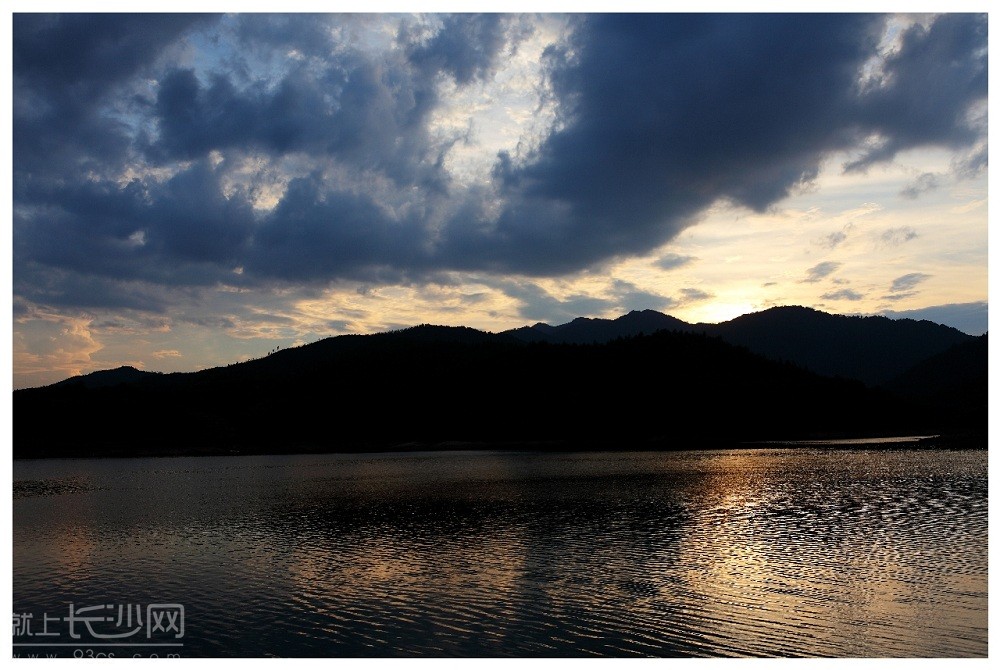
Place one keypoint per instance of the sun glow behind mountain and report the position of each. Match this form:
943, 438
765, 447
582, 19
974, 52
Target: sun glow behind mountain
196, 190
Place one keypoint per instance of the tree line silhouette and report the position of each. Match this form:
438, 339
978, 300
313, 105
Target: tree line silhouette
428, 385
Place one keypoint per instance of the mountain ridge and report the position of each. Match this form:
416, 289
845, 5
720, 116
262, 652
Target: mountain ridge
439, 384
784, 333
830, 344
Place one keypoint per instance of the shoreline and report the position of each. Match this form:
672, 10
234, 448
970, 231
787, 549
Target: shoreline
870, 443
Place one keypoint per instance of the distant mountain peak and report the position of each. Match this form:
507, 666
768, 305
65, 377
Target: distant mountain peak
588, 330
647, 314
123, 374
873, 349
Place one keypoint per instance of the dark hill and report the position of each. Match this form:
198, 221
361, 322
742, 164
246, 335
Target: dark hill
955, 381
873, 349
104, 378
599, 331
431, 384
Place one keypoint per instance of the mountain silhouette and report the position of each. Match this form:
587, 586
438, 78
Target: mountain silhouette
599, 331
955, 380
105, 378
433, 384
873, 349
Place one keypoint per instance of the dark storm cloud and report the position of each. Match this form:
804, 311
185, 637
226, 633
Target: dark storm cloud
181, 231
350, 111
665, 114
367, 110
466, 47
84, 54
312, 235
274, 35
59, 288
659, 116
64, 67
932, 80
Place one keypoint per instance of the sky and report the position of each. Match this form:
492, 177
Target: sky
195, 190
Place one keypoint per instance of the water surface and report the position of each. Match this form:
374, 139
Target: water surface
789, 552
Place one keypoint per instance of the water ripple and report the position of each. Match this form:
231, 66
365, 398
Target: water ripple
820, 552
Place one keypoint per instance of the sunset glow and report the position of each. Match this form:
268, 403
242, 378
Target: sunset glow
226, 184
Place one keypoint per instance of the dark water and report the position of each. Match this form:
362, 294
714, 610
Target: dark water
815, 552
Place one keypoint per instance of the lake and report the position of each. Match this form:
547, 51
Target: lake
808, 551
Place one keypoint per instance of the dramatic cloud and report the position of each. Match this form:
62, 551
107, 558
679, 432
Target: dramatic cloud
206, 171
301, 152
466, 46
820, 271
66, 68
914, 101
